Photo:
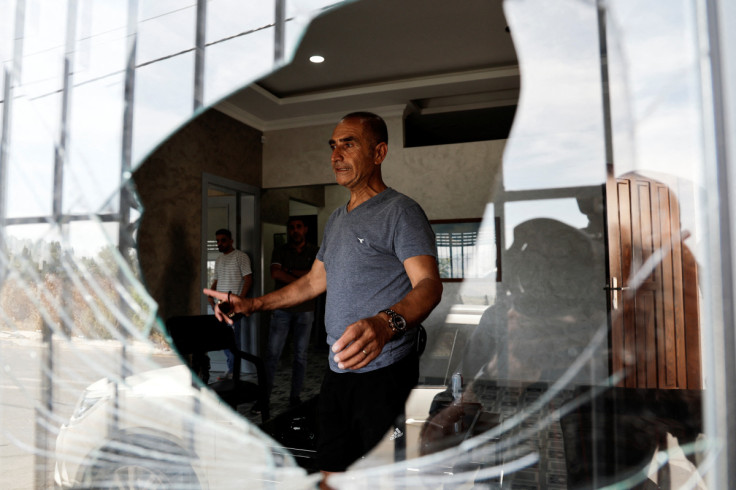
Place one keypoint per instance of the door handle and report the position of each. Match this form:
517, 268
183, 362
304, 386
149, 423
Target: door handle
614, 288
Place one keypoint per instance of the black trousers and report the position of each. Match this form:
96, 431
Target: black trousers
357, 409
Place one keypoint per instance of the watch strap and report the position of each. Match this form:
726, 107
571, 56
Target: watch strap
395, 321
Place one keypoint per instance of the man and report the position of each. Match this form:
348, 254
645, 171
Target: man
288, 263
233, 274
378, 265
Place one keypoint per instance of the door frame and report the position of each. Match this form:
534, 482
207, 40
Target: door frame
248, 224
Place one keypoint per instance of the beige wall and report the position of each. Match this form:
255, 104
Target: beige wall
449, 181
169, 184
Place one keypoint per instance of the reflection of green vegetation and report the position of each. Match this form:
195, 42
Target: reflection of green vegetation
94, 297
445, 267
210, 271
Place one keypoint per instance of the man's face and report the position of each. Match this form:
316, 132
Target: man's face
224, 243
354, 158
297, 231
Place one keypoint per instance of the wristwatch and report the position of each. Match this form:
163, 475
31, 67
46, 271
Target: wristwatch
395, 321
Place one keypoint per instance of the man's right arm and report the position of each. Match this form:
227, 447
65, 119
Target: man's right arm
305, 288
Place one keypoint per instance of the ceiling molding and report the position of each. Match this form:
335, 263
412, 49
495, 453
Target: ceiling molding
456, 103
245, 117
393, 86
234, 106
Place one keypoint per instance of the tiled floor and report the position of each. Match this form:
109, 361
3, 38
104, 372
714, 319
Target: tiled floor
538, 433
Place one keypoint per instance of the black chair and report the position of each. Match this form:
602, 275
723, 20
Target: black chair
197, 335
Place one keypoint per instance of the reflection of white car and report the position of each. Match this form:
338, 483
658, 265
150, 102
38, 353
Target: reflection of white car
156, 429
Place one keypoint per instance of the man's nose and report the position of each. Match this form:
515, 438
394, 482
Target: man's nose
336, 155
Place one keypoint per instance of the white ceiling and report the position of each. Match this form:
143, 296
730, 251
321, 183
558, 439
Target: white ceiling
382, 55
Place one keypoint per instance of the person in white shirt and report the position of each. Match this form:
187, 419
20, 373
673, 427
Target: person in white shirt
233, 274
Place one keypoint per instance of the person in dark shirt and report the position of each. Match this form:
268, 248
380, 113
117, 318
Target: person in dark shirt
288, 263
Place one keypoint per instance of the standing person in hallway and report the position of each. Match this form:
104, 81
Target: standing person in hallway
289, 262
378, 265
233, 273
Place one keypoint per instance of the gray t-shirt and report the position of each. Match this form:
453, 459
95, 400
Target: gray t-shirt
364, 253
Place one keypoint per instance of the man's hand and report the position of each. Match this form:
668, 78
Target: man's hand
362, 342
210, 300
239, 304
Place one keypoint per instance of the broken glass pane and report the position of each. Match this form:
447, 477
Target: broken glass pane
574, 359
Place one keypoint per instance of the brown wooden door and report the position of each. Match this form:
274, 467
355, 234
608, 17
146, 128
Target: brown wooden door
653, 300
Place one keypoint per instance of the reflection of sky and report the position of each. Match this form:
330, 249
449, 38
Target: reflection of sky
557, 137
158, 112
558, 133
165, 27
655, 88
164, 91
30, 173
6, 32
226, 61
227, 18
101, 41
95, 152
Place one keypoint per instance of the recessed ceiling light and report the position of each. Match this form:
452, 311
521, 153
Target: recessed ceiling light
316, 58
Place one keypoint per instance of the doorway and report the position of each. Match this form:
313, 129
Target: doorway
235, 206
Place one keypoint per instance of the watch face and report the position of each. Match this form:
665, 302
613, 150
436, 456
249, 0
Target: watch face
396, 321
399, 322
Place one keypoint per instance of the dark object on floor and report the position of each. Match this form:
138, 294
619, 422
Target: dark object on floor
259, 407
191, 337
296, 430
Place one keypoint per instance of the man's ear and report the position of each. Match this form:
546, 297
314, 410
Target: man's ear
380, 152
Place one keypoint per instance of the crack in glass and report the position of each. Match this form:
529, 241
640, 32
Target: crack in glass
578, 347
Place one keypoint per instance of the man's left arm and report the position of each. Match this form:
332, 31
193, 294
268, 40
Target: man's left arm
364, 340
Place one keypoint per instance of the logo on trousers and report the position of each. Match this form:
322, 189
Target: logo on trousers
397, 433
